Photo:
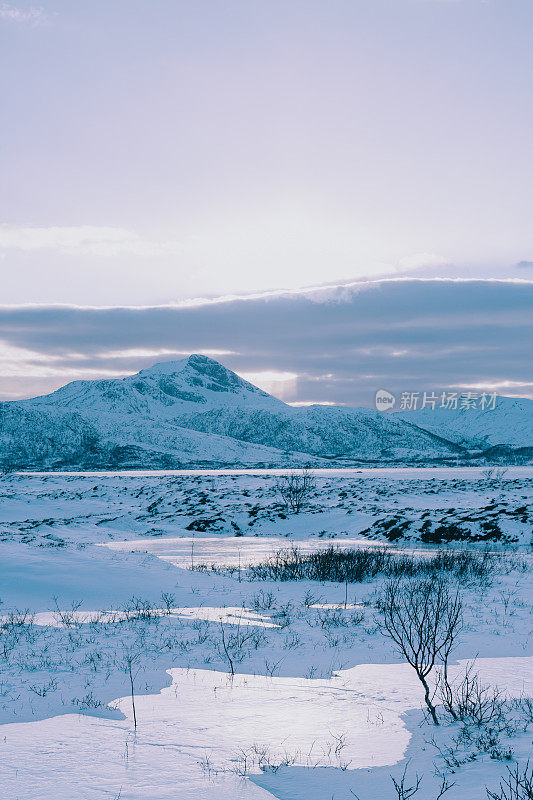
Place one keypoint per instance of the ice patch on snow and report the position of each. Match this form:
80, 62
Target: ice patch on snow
195, 737
234, 615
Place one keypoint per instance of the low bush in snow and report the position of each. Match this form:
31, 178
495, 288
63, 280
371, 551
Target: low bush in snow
356, 565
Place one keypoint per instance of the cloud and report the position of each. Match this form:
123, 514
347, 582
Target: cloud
421, 260
280, 384
31, 15
336, 344
19, 362
83, 240
524, 264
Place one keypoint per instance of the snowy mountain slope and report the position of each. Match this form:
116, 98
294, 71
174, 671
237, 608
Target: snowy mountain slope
325, 431
195, 411
510, 423
32, 436
166, 437
47, 437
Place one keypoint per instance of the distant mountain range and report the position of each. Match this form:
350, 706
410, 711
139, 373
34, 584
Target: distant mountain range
195, 412
509, 423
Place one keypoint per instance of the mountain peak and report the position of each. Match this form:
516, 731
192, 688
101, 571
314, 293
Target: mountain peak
198, 364
172, 367
199, 373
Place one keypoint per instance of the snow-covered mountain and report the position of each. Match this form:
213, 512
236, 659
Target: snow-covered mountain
510, 422
196, 412
193, 383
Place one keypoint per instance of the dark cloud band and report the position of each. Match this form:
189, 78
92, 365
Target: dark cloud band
344, 342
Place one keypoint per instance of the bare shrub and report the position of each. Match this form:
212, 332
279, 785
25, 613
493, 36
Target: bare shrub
494, 475
15, 626
260, 757
89, 701
445, 786
44, 689
66, 617
517, 785
524, 707
169, 601
16, 619
295, 488
422, 617
469, 700
234, 643
282, 615
262, 601
403, 790
309, 599
137, 608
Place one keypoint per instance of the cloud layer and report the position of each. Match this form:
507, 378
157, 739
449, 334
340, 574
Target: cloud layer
83, 240
157, 151
342, 343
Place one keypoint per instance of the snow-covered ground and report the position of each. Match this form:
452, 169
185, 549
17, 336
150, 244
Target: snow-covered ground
96, 577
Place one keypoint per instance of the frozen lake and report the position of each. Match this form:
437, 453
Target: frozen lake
394, 473
188, 552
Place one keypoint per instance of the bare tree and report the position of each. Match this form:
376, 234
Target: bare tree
233, 641
226, 647
129, 660
444, 684
295, 488
423, 619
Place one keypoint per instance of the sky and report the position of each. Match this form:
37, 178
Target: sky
329, 197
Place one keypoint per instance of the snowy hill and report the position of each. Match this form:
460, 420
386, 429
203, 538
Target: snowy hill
196, 412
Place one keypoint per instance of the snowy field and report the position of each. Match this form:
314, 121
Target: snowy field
245, 686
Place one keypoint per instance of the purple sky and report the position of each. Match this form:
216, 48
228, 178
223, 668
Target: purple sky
154, 152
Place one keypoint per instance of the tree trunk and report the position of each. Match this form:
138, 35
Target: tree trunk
427, 698
132, 697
